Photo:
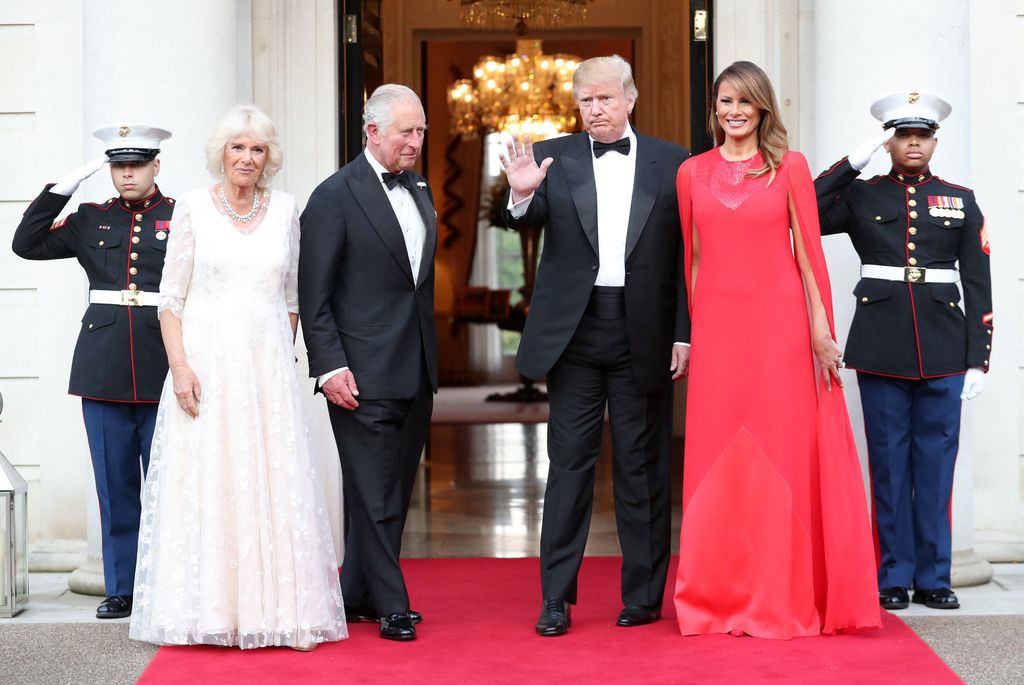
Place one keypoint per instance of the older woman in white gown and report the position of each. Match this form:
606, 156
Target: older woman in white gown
235, 546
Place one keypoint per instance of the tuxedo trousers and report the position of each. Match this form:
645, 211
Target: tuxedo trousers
380, 444
595, 372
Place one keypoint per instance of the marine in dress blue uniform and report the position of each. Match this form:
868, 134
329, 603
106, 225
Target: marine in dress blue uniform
119, 364
918, 348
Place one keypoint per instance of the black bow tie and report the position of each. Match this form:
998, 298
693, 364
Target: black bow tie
391, 180
620, 145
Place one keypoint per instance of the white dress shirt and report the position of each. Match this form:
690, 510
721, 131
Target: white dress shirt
414, 231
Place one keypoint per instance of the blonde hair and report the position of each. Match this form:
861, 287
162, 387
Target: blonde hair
754, 85
601, 69
244, 120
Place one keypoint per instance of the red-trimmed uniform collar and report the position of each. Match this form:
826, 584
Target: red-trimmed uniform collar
910, 179
144, 204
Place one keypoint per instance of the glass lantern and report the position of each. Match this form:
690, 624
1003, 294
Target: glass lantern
13, 539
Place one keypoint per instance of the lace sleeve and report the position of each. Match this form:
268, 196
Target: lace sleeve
178, 264
291, 281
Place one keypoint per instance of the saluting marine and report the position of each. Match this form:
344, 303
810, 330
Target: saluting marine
918, 350
119, 363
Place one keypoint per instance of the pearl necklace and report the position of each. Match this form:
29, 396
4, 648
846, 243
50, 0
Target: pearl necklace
242, 218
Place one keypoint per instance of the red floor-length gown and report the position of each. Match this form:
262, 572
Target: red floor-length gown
775, 535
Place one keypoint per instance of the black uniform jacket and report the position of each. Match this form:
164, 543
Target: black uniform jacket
904, 329
120, 355
565, 204
360, 305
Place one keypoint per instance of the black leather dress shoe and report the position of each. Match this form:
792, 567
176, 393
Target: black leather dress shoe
638, 615
894, 598
359, 614
943, 598
117, 606
555, 618
397, 627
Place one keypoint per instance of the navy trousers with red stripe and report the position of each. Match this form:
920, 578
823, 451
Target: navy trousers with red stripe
913, 435
120, 435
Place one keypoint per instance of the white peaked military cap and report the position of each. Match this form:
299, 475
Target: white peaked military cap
911, 109
131, 142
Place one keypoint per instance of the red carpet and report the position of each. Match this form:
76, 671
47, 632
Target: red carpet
478, 628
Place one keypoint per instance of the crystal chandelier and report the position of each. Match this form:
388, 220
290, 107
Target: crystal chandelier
527, 92
502, 14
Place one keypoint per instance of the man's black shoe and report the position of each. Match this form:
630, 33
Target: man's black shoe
943, 598
894, 598
117, 606
555, 618
360, 614
638, 615
397, 627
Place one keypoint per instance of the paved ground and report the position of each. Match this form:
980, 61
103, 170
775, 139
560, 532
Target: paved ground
58, 640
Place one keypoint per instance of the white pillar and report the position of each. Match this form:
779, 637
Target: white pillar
857, 58
179, 65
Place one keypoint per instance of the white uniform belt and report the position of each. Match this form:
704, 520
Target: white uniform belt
128, 298
909, 274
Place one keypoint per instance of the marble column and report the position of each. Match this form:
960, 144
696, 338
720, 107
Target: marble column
178, 65
857, 58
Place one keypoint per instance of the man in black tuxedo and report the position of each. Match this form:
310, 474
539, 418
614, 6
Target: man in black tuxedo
366, 296
608, 306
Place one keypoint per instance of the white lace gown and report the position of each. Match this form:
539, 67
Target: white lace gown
235, 545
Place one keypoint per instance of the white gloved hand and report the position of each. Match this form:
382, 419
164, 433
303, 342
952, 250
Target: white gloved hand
860, 157
974, 383
69, 184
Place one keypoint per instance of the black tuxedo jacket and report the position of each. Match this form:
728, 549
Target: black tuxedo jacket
359, 303
566, 205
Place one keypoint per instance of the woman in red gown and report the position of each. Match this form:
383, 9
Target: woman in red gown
775, 535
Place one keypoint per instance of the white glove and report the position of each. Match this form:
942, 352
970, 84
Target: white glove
860, 157
974, 383
69, 184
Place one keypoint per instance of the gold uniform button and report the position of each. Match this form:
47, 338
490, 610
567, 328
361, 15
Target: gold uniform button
986, 362
136, 239
912, 231
133, 271
138, 217
911, 246
878, 218
989, 331
137, 229
913, 214
912, 203
132, 286
134, 256
988, 347
863, 299
911, 190
90, 325
945, 223
102, 243
912, 261
952, 304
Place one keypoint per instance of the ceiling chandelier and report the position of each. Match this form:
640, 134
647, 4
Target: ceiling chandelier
501, 14
527, 92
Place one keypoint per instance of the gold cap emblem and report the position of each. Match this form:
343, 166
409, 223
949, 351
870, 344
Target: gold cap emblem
124, 131
913, 97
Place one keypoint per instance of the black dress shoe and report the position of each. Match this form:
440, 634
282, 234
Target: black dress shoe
894, 598
943, 598
397, 627
117, 606
555, 618
360, 614
638, 615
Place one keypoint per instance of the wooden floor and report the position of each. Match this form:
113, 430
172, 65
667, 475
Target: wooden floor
481, 493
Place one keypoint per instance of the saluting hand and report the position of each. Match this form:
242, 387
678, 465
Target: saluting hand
186, 389
69, 184
521, 169
860, 157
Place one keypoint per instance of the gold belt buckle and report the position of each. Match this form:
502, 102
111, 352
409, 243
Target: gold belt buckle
913, 274
131, 298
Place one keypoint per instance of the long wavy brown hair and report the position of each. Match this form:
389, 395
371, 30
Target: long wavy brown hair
754, 85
